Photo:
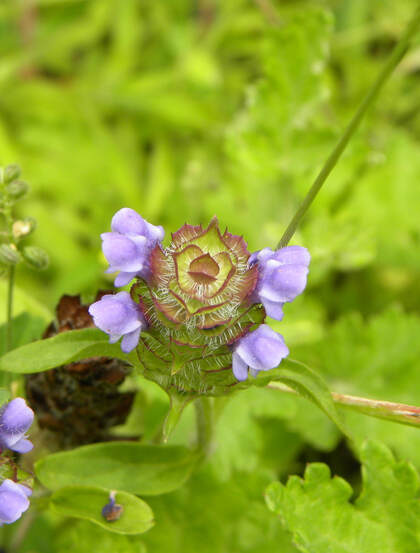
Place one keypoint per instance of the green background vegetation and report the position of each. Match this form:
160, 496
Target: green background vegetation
184, 109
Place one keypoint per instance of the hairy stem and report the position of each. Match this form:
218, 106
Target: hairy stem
387, 410
395, 57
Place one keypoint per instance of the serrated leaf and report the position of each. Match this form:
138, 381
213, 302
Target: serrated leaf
86, 502
385, 518
128, 466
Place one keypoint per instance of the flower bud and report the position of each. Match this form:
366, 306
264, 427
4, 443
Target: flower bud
17, 189
11, 173
9, 255
23, 227
36, 257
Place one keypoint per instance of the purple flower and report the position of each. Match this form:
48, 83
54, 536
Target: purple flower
118, 315
282, 277
260, 350
13, 501
127, 248
15, 419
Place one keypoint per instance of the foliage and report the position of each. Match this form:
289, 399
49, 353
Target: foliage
319, 513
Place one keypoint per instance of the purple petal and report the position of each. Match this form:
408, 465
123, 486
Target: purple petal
23, 446
15, 419
123, 253
282, 283
262, 349
239, 367
124, 278
116, 314
260, 256
273, 309
13, 501
128, 221
155, 233
293, 255
16, 416
130, 341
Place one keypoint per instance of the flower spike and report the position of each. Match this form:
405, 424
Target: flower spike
200, 303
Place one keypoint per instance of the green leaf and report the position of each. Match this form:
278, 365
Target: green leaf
83, 537
128, 466
385, 518
86, 502
64, 348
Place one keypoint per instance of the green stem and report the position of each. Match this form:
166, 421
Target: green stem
395, 57
9, 314
204, 410
387, 410
176, 408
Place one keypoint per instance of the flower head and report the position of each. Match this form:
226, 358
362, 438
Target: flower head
119, 316
282, 277
13, 501
260, 350
15, 419
128, 246
204, 299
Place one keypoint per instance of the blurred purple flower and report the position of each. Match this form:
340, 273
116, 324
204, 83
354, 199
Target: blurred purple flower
13, 501
282, 277
15, 419
260, 350
112, 511
127, 248
119, 316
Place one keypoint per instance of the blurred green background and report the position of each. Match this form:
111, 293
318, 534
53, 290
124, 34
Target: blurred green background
184, 109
